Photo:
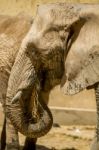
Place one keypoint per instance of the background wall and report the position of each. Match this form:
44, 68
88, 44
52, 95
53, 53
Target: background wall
85, 99
14, 6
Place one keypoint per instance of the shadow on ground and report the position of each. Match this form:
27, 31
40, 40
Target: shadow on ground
40, 147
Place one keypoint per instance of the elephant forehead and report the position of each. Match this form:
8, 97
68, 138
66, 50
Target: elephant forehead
58, 17
50, 18
64, 14
60, 14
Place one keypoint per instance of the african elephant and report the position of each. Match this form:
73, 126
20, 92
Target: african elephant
27, 75
11, 35
75, 29
12, 31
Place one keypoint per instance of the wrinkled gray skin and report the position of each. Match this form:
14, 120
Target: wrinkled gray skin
62, 36
74, 28
11, 35
12, 31
25, 80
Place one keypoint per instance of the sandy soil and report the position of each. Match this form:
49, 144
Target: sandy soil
63, 138
66, 138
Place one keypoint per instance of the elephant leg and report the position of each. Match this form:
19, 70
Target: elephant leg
95, 144
12, 140
3, 135
30, 144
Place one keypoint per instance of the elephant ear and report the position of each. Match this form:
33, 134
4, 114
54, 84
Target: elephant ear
82, 60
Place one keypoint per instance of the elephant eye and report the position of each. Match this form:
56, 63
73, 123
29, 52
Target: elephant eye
30, 49
53, 28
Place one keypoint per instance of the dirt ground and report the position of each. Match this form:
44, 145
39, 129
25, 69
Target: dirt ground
66, 138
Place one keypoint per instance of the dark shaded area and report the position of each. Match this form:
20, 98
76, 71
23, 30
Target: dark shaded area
30, 144
38, 147
56, 125
3, 136
41, 147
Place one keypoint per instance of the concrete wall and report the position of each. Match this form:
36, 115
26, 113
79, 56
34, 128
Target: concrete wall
85, 99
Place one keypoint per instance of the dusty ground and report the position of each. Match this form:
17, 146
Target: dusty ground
66, 138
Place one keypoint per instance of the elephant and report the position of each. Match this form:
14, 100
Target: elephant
47, 54
27, 76
73, 28
12, 31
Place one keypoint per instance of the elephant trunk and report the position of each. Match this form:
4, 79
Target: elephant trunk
23, 89
25, 123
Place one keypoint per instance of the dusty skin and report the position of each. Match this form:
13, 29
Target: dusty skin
66, 138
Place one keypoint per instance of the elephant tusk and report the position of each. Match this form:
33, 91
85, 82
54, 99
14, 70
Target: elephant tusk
17, 97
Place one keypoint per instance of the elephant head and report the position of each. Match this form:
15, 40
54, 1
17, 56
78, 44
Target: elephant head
72, 28
47, 38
